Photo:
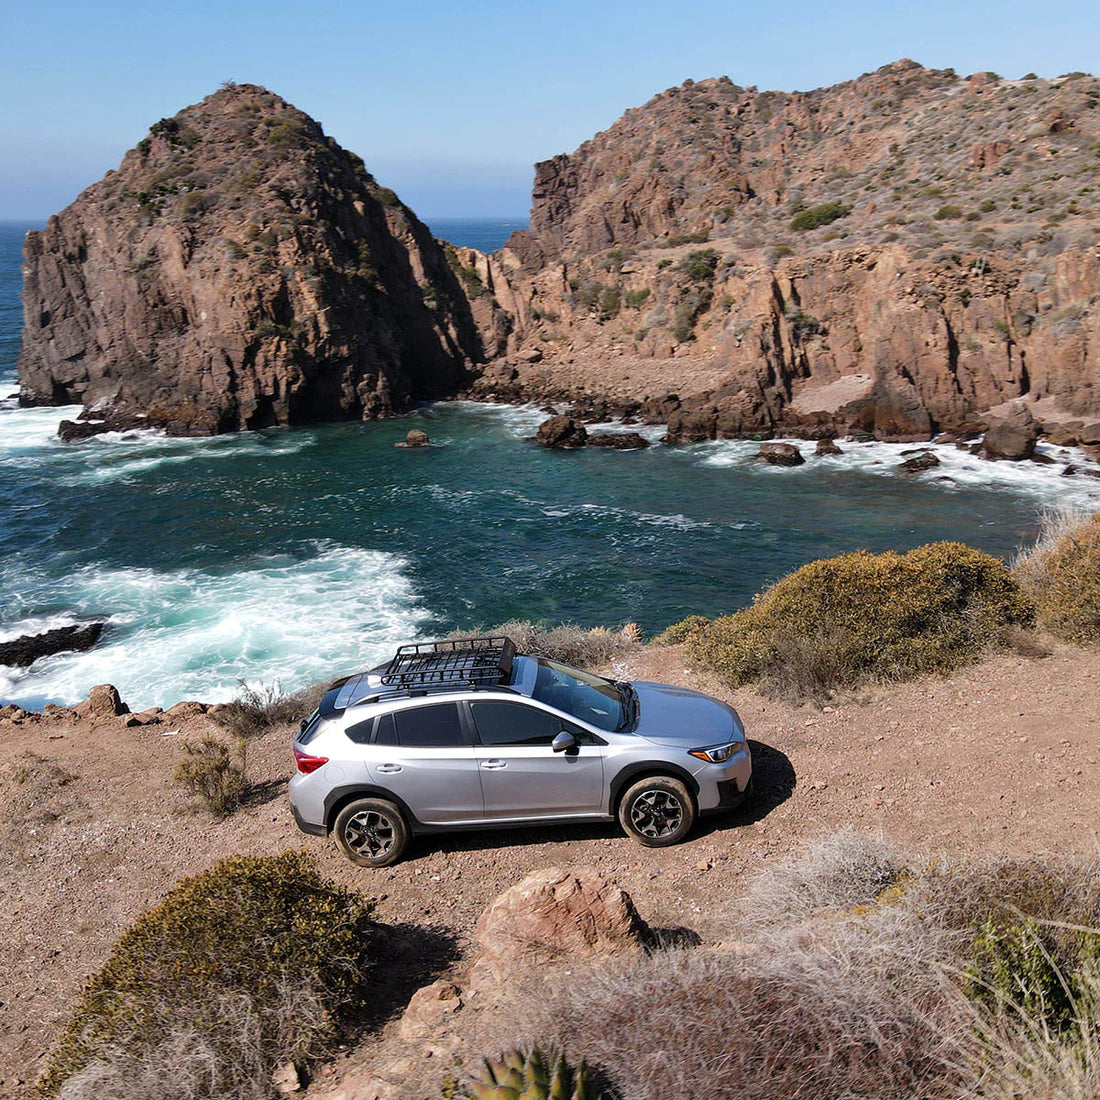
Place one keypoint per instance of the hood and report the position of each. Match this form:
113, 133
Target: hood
684, 717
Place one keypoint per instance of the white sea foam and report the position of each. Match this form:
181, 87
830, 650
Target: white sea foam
958, 469
23, 430
194, 634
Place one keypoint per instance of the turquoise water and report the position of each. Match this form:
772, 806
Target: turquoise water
299, 555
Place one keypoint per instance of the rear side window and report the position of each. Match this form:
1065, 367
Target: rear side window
437, 726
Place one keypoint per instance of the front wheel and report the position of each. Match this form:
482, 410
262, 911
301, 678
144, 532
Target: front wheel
657, 811
371, 832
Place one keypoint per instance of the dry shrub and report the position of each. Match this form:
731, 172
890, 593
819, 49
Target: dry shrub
1062, 575
256, 710
852, 974
568, 643
239, 969
210, 773
862, 617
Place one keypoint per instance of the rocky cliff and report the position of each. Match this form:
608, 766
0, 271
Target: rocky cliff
241, 270
899, 254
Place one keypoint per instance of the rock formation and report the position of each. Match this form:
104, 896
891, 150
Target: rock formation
894, 256
25, 650
241, 270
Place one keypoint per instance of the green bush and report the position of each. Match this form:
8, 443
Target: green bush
822, 214
862, 617
699, 266
948, 212
266, 939
210, 773
685, 630
635, 299
1062, 575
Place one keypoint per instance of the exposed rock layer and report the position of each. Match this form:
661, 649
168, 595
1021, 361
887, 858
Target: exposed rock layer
241, 270
892, 256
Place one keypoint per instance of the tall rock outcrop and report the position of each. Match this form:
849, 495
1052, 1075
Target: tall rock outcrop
897, 254
241, 270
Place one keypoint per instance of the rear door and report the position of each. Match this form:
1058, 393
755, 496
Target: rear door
424, 756
521, 776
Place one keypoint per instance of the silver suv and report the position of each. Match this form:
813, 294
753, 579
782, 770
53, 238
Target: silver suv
468, 734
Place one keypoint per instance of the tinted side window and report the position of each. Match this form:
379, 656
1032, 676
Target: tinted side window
517, 724
360, 732
384, 732
436, 726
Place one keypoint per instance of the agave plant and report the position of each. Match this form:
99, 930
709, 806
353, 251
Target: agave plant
526, 1076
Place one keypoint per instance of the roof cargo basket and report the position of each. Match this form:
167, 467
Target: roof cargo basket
479, 662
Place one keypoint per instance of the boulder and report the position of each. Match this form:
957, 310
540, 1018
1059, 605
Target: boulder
620, 441
429, 1010
780, 454
1012, 438
24, 651
692, 426
827, 447
561, 431
553, 915
105, 701
414, 438
918, 463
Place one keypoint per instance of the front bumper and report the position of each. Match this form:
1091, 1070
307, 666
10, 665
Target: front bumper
725, 786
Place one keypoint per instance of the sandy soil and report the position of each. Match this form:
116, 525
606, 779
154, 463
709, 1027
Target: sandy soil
1003, 758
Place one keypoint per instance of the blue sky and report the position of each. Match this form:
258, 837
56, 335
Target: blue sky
451, 103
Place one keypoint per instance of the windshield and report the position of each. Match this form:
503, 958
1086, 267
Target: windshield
588, 697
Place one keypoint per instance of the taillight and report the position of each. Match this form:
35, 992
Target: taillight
307, 763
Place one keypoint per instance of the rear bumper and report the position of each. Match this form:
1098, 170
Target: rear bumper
307, 826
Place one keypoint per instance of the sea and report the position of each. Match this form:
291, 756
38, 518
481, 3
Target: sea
282, 557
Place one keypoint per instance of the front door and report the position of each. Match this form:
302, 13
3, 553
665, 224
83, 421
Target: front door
521, 776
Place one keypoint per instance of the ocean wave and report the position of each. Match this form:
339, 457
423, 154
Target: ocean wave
194, 634
23, 430
958, 469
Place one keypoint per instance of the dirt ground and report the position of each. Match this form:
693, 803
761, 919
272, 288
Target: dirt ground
1003, 758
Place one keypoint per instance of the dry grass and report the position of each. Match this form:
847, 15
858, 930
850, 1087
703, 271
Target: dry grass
1061, 572
256, 710
851, 975
566, 642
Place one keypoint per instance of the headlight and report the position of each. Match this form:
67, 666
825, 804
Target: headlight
717, 754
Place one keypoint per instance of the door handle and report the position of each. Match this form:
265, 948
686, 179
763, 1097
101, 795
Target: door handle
492, 765
388, 769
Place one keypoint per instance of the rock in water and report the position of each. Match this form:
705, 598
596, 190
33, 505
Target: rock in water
562, 431
24, 651
1014, 437
619, 441
780, 454
240, 270
414, 438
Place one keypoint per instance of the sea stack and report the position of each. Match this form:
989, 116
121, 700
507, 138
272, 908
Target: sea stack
240, 270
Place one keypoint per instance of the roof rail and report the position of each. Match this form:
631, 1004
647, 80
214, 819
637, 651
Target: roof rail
480, 662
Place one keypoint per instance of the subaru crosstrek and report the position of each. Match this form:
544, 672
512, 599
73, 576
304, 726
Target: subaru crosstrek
469, 734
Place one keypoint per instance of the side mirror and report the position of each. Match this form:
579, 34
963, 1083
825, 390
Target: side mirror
564, 742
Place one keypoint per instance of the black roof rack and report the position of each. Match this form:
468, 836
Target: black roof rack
480, 662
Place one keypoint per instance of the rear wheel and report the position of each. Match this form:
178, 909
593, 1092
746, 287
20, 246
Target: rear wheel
371, 832
657, 811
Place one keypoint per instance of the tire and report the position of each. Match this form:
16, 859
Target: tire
371, 832
657, 811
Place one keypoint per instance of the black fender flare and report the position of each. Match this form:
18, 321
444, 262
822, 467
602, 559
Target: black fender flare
339, 797
633, 772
